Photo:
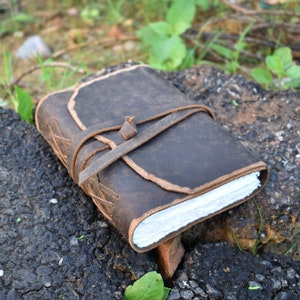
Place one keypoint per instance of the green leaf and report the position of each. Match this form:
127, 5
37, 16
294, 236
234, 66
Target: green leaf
254, 287
181, 15
240, 46
13, 23
160, 28
148, 287
235, 103
231, 66
149, 36
24, 108
166, 293
293, 72
262, 76
223, 51
168, 54
189, 59
285, 55
275, 64
22, 17
146, 34
203, 4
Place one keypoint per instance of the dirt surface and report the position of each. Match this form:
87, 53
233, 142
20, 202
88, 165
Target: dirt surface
54, 244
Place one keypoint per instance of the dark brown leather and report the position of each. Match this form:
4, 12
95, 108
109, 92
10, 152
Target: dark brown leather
170, 149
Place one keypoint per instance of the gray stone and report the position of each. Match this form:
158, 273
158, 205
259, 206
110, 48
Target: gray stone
212, 292
199, 292
291, 273
282, 296
187, 295
276, 284
174, 295
260, 277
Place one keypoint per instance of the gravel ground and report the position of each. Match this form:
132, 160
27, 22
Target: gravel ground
54, 244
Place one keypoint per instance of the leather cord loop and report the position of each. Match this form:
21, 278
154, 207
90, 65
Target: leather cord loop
101, 128
126, 147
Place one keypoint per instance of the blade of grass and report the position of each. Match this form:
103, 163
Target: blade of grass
45, 72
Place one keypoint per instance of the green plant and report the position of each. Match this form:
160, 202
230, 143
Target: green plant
114, 10
89, 14
261, 223
14, 23
53, 82
24, 105
148, 287
237, 241
168, 50
257, 241
232, 56
20, 100
147, 10
279, 64
292, 247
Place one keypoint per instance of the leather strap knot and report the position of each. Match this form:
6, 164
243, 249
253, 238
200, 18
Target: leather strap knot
128, 129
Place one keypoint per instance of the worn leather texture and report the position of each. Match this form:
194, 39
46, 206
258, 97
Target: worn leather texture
137, 145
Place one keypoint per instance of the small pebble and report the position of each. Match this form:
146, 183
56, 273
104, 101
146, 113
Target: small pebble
282, 296
297, 147
291, 273
174, 295
187, 295
276, 284
199, 292
47, 283
284, 283
279, 135
277, 270
212, 292
289, 125
74, 241
260, 277
231, 296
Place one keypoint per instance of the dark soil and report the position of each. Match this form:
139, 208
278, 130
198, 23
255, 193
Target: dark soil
54, 244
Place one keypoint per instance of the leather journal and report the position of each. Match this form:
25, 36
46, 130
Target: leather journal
154, 162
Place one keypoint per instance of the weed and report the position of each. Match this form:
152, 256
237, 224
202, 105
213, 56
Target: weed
114, 9
279, 64
261, 222
292, 247
24, 105
48, 68
232, 56
90, 13
19, 99
14, 23
148, 287
257, 241
168, 50
237, 241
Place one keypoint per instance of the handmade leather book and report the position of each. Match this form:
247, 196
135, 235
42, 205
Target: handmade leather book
154, 162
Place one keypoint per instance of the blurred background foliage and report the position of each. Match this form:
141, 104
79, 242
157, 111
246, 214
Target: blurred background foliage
73, 38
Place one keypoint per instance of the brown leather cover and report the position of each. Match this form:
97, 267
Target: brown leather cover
137, 145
